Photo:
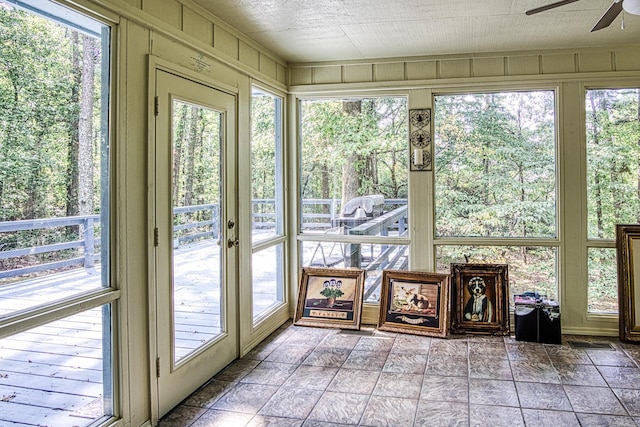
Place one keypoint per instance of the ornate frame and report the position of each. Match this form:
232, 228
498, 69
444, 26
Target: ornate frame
320, 301
414, 302
628, 252
494, 307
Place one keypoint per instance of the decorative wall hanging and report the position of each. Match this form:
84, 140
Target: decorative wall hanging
420, 143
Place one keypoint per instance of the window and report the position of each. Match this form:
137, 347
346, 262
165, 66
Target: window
267, 201
495, 179
354, 171
54, 214
613, 185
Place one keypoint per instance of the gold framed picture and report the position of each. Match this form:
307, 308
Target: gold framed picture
628, 254
414, 302
330, 297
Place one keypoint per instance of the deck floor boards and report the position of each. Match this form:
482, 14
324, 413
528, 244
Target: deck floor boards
52, 375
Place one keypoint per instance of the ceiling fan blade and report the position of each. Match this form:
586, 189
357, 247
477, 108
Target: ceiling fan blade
549, 6
608, 17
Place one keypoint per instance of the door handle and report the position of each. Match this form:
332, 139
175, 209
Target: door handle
232, 242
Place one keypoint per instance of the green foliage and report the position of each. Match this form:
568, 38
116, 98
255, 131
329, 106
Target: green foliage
495, 165
530, 268
603, 280
38, 108
372, 141
331, 293
613, 159
263, 146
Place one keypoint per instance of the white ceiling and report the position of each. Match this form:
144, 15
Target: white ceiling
339, 30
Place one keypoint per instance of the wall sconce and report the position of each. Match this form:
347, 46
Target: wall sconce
420, 144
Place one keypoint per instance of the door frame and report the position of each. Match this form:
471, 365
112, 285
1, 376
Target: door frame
158, 64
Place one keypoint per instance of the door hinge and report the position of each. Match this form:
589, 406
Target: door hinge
156, 106
158, 367
155, 237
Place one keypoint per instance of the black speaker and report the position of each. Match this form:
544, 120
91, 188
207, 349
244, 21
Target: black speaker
538, 322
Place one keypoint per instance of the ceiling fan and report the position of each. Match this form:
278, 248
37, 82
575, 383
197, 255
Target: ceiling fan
630, 6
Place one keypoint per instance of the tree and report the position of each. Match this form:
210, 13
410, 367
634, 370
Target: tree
354, 147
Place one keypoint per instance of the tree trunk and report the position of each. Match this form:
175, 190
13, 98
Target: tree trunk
191, 148
350, 178
324, 182
178, 143
85, 129
73, 129
596, 178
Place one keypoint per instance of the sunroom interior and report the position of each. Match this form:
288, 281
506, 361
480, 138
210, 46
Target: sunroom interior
224, 143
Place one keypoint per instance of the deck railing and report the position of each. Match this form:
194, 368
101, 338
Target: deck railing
88, 242
317, 214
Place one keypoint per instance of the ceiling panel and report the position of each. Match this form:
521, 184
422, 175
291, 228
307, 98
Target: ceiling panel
339, 30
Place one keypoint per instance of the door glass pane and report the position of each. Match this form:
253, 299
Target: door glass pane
58, 374
196, 184
54, 155
495, 165
268, 279
266, 166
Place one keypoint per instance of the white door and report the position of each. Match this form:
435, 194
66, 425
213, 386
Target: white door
194, 235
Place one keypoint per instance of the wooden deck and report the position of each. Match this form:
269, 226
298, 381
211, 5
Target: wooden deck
53, 375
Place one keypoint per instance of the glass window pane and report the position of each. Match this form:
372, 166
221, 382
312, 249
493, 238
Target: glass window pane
603, 281
613, 160
266, 166
54, 157
530, 268
373, 258
268, 279
197, 272
58, 374
353, 161
495, 165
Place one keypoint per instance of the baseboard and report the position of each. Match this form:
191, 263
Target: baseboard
594, 332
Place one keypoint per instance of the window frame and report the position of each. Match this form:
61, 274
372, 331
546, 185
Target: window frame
595, 242
281, 237
369, 312
479, 241
109, 295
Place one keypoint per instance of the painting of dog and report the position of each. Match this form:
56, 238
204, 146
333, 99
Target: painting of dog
479, 298
415, 301
478, 308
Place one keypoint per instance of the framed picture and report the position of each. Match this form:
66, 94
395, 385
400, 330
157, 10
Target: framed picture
330, 297
480, 299
414, 302
628, 252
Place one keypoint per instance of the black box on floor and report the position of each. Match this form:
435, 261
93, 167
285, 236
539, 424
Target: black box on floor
537, 320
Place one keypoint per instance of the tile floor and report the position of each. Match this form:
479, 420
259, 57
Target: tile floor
313, 377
